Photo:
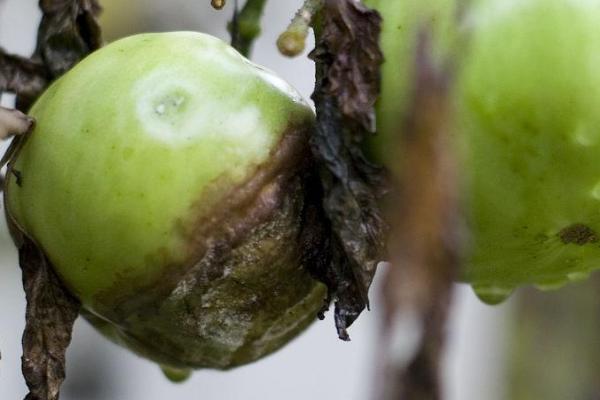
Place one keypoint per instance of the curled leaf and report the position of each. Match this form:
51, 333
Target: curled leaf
348, 49
51, 313
23, 76
51, 309
68, 32
347, 60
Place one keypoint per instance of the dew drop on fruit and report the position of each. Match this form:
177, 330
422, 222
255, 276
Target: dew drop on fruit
584, 136
596, 191
492, 295
578, 276
550, 286
176, 375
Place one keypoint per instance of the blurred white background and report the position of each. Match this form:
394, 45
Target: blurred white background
316, 365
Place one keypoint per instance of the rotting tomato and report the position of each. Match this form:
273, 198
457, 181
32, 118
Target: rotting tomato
164, 180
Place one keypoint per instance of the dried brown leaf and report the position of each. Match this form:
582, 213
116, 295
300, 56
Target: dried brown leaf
349, 44
68, 32
22, 76
347, 60
51, 312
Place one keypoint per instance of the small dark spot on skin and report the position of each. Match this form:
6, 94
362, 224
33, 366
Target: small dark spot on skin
578, 234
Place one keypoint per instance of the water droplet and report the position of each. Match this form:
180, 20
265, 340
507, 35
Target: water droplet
176, 375
492, 295
578, 276
596, 191
549, 286
583, 136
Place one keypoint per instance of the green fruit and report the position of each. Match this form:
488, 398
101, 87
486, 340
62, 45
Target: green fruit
527, 95
164, 180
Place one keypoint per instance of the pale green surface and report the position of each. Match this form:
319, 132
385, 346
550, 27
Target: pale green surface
527, 98
126, 142
403, 20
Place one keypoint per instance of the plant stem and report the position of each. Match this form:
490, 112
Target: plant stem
245, 25
292, 42
425, 241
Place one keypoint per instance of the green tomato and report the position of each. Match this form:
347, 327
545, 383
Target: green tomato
526, 96
164, 181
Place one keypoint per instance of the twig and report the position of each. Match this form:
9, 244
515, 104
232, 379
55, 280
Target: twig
425, 242
245, 25
293, 40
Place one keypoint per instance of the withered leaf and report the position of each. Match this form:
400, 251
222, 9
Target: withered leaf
349, 47
23, 76
347, 60
68, 32
51, 313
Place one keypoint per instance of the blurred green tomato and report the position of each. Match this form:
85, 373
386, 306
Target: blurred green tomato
526, 98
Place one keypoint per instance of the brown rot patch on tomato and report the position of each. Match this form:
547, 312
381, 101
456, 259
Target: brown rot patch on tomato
578, 234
